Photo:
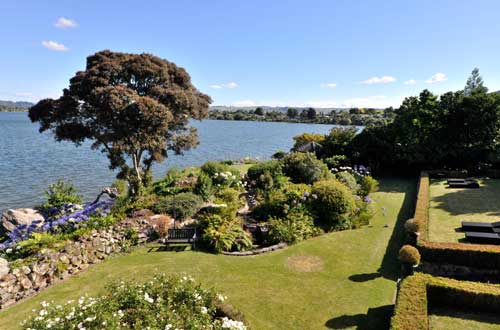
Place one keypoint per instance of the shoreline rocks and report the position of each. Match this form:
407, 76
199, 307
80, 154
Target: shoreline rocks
12, 218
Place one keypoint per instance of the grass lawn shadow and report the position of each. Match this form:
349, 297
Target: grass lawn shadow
376, 319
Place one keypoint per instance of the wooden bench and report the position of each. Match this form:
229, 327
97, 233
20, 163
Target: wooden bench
183, 235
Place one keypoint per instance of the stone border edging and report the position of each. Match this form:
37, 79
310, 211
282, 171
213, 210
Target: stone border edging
271, 248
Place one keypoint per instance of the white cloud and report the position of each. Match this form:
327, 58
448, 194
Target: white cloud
438, 77
244, 103
329, 85
229, 85
410, 82
65, 23
379, 80
53, 45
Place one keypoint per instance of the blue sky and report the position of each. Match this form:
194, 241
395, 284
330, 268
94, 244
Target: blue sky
302, 53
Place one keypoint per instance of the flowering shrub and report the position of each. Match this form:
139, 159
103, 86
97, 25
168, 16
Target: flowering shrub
59, 194
164, 303
72, 219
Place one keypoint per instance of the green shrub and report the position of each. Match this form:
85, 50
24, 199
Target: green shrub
278, 202
279, 154
348, 180
121, 186
180, 206
58, 194
265, 175
131, 235
229, 197
212, 167
304, 168
333, 204
367, 185
294, 227
411, 226
223, 234
40, 241
204, 187
335, 161
167, 185
409, 255
161, 303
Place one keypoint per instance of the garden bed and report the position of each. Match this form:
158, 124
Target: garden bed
266, 249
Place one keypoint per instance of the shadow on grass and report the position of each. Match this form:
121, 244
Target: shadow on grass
376, 319
170, 248
463, 202
390, 268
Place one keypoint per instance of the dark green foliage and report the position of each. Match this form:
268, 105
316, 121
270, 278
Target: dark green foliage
264, 175
279, 155
333, 204
348, 180
259, 111
335, 161
337, 142
294, 227
133, 107
204, 187
58, 194
278, 202
304, 168
180, 206
132, 236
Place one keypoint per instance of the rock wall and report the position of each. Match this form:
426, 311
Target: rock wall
48, 267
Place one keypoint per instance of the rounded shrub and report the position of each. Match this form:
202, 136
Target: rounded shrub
409, 255
367, 185
212, 167
411, 226
180, 206
304, 167
348, 180
263, 173
332, 203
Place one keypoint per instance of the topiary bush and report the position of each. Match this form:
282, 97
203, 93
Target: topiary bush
161, 303
332, 203
409, 255
411, 226
348, 180
180, 206
304, 168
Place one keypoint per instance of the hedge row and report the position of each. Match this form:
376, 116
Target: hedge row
471, 255
419, 291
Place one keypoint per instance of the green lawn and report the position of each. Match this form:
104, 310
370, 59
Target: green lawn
243, 168
445, 320
343, 280
449, 207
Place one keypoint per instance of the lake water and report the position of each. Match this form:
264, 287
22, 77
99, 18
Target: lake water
30, 161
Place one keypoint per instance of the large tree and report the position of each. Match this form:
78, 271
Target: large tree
134, 107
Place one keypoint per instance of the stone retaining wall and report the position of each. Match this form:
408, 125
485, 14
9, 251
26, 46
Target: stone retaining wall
49, 267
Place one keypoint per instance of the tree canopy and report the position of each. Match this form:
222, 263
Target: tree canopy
134, 107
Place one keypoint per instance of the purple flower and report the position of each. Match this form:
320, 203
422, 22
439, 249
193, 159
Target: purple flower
368, 199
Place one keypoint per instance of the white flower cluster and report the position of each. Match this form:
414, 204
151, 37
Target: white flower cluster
225, 175
229, 324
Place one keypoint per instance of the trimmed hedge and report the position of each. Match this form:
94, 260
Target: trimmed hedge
419, 291
470, 255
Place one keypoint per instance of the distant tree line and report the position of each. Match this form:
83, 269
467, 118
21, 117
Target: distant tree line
353, 116
8, 108
457, 130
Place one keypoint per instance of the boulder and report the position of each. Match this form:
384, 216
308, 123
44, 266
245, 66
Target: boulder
14, 217
4, 267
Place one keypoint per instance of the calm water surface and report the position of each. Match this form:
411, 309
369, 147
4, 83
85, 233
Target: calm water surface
30, 161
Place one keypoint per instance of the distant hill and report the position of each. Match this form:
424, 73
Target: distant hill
269, 109
12, 106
